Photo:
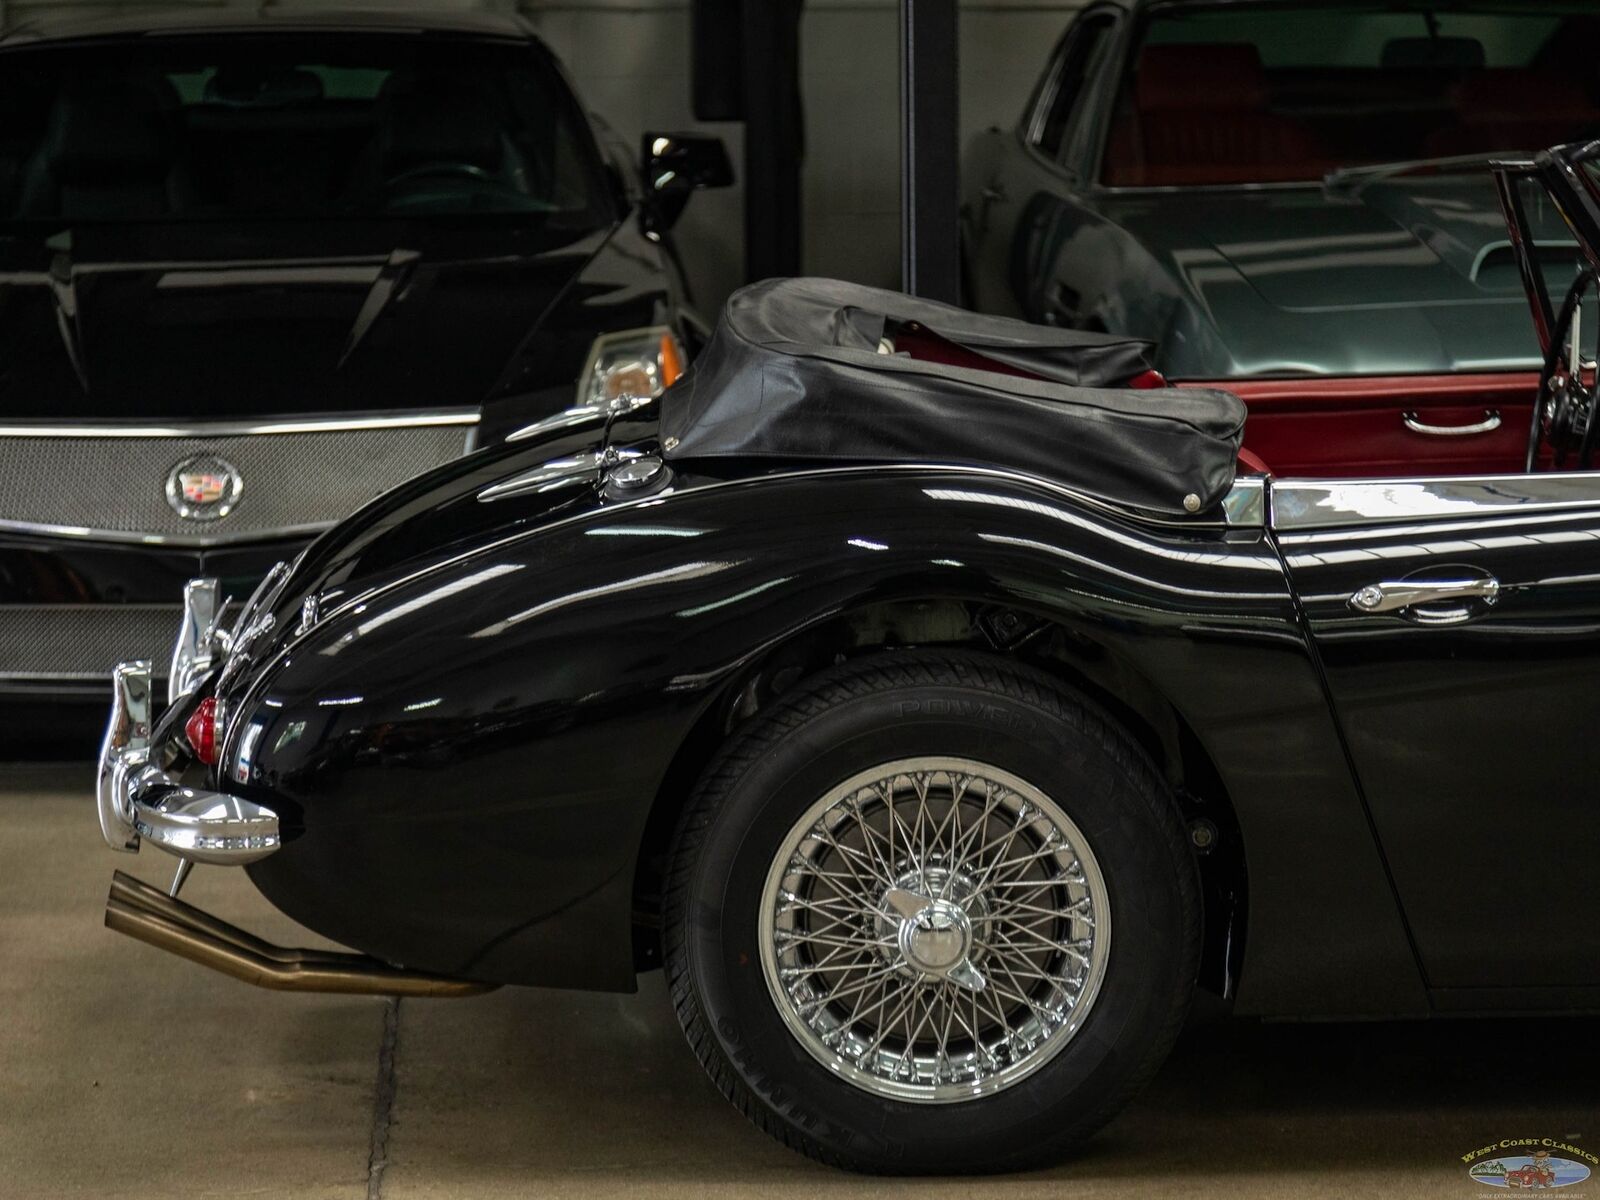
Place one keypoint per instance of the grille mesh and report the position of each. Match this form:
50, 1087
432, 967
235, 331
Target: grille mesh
84, 641
116, 485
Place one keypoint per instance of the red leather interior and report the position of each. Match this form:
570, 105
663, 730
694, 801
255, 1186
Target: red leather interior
926, 346
1251, 463
1508, 109
1225, 77
1341, 427
1347, 428
1199, 115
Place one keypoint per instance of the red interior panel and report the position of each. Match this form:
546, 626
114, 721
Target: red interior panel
1354, 427
926, 346
1199, 115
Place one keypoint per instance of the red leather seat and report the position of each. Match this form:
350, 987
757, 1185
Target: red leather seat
1505, 109
1199, 115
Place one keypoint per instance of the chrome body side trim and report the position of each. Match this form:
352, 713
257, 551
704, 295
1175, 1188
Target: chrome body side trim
1330, 503
1245, 505
137, 800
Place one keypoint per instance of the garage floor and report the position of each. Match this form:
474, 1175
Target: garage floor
127, 1073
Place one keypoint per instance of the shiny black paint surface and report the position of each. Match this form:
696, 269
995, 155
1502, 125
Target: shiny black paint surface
194, 319
467, 756
491, 314
1475, 743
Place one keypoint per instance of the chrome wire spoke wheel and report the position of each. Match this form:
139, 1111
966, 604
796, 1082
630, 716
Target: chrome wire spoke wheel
934, 929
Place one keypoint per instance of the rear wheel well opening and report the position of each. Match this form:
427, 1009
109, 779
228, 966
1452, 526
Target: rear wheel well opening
1073, 659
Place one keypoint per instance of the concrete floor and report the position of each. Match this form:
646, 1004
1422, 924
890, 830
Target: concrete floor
127, 1073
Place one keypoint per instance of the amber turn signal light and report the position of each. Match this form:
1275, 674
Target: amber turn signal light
671, 361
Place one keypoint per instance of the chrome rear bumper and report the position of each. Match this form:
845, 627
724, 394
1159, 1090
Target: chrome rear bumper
137, 800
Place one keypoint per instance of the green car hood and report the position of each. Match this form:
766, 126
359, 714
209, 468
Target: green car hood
1402, 276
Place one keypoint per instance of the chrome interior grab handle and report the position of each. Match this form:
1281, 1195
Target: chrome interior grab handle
1426, 595
1490, 422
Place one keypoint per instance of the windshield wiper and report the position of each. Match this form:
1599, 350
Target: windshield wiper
1353, 179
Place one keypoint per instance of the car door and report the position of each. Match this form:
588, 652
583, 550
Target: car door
1458, 625
1023, 184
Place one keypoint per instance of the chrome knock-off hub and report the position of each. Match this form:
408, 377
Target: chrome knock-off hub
926, 925
937, 938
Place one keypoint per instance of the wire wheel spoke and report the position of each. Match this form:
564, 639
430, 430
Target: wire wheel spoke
934, 929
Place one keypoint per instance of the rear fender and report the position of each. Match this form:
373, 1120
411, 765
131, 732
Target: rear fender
466, 761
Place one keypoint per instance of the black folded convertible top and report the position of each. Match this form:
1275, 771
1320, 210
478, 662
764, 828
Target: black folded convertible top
803, 369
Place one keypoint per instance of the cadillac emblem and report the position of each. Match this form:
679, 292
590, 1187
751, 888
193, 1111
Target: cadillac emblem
203, 488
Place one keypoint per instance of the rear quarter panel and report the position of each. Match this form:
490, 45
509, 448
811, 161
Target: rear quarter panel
467, 759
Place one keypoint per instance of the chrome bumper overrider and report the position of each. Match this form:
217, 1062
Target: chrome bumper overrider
201, 640
138, 800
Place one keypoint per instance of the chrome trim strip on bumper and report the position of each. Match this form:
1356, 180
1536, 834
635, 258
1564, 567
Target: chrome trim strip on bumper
206, 827
138, 801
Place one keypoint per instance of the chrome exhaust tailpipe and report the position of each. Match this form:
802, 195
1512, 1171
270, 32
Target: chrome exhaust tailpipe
149, 915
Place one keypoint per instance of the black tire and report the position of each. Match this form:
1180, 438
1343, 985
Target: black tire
881, 709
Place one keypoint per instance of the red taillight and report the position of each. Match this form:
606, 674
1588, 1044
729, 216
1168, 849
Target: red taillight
201, 730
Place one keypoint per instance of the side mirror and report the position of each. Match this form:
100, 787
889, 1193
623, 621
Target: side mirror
675, 164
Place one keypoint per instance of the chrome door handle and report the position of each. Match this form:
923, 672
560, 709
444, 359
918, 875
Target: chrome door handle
1490, 422
1425, 595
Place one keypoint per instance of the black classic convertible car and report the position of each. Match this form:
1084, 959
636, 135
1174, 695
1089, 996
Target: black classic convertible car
937, 706
257, 266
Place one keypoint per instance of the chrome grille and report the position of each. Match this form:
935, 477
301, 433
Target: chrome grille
83, 641
110, 481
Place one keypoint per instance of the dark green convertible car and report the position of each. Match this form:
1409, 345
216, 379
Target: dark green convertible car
1294, 196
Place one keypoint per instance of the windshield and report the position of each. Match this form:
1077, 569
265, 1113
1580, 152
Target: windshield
1248, 93
247, 126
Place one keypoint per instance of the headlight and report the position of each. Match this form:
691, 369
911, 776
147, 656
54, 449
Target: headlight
625, 371
634, 365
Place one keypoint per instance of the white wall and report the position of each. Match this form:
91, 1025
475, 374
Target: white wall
630, 59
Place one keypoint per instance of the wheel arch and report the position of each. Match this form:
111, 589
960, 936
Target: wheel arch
1078, 660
